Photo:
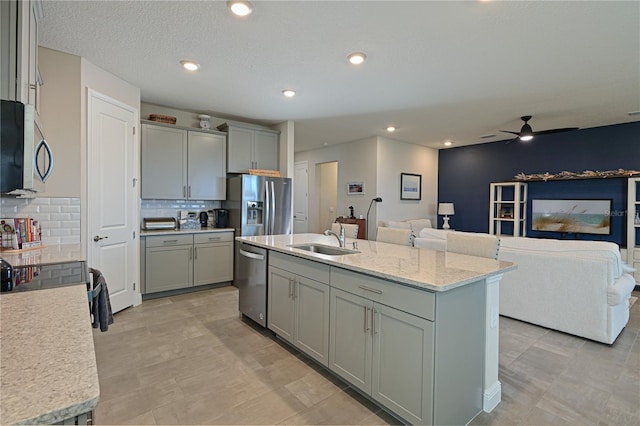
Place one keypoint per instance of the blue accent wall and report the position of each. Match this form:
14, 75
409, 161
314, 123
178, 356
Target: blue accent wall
464, 173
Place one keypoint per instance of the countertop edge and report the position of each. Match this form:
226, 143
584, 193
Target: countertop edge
63, 413
329, 260
150, 233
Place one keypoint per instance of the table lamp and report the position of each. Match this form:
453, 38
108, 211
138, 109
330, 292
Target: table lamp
446, 209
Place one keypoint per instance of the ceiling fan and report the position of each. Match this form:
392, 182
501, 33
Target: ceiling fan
526, 133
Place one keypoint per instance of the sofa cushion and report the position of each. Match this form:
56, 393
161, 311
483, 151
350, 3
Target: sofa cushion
398, 224
418, 225
621, 290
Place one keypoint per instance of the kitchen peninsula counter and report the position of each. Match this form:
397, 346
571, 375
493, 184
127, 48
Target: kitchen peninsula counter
418, 267
48, 370
423, 323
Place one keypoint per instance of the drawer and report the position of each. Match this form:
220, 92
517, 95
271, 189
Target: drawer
213, 237
169, 240
305, 268
408, 299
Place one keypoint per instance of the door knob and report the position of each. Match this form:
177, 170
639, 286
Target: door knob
98, 238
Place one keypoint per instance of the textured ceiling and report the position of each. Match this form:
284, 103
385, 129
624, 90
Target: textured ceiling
436, 70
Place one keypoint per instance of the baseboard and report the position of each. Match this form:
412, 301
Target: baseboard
492, 397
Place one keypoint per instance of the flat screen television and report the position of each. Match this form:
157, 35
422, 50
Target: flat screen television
572, 216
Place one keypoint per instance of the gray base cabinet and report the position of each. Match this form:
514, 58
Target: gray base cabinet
187, 260
384, 352
419, 354
298, 304
168, 263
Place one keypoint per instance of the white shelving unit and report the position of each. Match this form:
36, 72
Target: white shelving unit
633, 226
508, 209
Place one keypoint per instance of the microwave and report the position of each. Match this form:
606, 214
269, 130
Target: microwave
26, 159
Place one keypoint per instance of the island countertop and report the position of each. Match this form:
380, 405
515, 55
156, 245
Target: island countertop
418, 267
48, 370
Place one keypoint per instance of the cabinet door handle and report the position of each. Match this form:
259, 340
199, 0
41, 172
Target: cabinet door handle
195, 253
366, 319
190, 253
373, 290
184, 191
189, 191
373, 321
290, 290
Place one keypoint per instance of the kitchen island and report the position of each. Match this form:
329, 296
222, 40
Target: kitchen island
48, 371
415, 330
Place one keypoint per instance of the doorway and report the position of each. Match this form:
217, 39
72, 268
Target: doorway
326, 194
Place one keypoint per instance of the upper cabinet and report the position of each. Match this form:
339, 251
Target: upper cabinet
21, 79
250, 147
180, 164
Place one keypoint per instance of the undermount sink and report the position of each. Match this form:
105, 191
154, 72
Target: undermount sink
323, 249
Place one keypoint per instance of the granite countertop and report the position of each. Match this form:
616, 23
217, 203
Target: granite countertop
417, 267
147, 233
48, 369
47, 254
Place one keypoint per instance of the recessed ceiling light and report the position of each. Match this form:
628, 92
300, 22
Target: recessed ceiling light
289, 93
189, 65
357, 58
448, 143
240, 8
391, 129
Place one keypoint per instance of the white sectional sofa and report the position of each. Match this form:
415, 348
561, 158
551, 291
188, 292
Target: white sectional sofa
577, 287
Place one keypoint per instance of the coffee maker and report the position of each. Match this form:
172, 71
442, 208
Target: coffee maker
221, 218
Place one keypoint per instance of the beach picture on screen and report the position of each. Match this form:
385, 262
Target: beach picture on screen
573, 216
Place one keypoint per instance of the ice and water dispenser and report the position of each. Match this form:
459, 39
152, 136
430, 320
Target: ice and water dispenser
254, 212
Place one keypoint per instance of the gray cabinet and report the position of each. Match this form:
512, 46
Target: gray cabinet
213, 258
384, 352
168, 263
250, 147
414, 352
19, 38
298, 304
174, 262
182, 164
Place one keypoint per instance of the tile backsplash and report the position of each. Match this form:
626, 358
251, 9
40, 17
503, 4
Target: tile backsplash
170, 208
58, 217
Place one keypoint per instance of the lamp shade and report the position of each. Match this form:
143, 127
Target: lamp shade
446, 209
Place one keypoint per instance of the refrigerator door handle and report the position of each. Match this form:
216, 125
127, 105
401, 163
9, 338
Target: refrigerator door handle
273, 207
267, 210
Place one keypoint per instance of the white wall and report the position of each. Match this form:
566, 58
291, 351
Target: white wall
327, 191
356, 163
396, 157
377, 162
60, 110
285, 149
183, 118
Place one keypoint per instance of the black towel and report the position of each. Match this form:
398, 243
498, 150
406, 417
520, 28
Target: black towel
102, 314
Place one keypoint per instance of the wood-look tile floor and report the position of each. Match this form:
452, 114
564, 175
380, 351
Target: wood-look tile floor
190, 359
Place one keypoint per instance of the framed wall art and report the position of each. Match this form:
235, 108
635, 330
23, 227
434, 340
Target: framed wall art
355, 188
410, 186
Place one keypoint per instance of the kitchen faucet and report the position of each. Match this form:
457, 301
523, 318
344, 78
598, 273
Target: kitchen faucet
339, 237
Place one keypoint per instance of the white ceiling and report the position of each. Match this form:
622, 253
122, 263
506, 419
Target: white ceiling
436, 70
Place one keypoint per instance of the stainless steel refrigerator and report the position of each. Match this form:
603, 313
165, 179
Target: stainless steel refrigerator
257, 205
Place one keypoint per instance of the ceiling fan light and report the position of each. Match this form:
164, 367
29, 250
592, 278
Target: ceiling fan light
526, 133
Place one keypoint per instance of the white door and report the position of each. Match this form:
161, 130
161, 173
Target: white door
301, 197
112, 196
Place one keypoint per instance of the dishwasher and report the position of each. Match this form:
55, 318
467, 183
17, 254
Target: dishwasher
251, 280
